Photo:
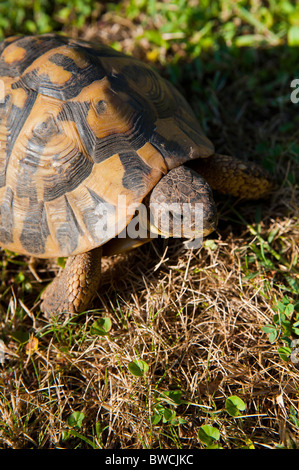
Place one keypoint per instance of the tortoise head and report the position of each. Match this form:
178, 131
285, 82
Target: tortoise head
182, 206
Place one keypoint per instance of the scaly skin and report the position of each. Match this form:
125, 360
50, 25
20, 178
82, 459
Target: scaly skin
73, 289
228, 175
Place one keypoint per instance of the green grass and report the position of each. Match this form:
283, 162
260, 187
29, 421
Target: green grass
44, 16
182, 350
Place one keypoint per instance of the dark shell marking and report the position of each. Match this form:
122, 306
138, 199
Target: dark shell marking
80, 125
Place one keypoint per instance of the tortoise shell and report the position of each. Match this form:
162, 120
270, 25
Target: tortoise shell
82, 125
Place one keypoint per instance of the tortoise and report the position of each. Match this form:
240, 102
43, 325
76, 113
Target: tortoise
83, 126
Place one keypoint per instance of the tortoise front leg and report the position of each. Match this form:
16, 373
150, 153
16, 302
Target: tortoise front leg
73, 289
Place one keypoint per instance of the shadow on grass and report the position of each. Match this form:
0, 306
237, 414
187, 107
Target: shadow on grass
242, 97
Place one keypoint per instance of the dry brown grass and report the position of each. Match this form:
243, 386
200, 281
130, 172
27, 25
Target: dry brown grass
192, 317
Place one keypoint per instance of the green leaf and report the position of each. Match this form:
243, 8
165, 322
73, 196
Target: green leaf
210, 244
101, 327
155, 37
172, 397
287, 328
155, 417
138, 367
61, 262
19, 278
284, 353
20, 336
208, 435
74, 433
293, 36
271, 332
293, 416
277, 319
289, 310
75, 419
168, 415
249, 444
234, 405
295, 328
65, 435
30, 26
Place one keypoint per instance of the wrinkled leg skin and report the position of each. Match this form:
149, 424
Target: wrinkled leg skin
228, 175
73, 290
